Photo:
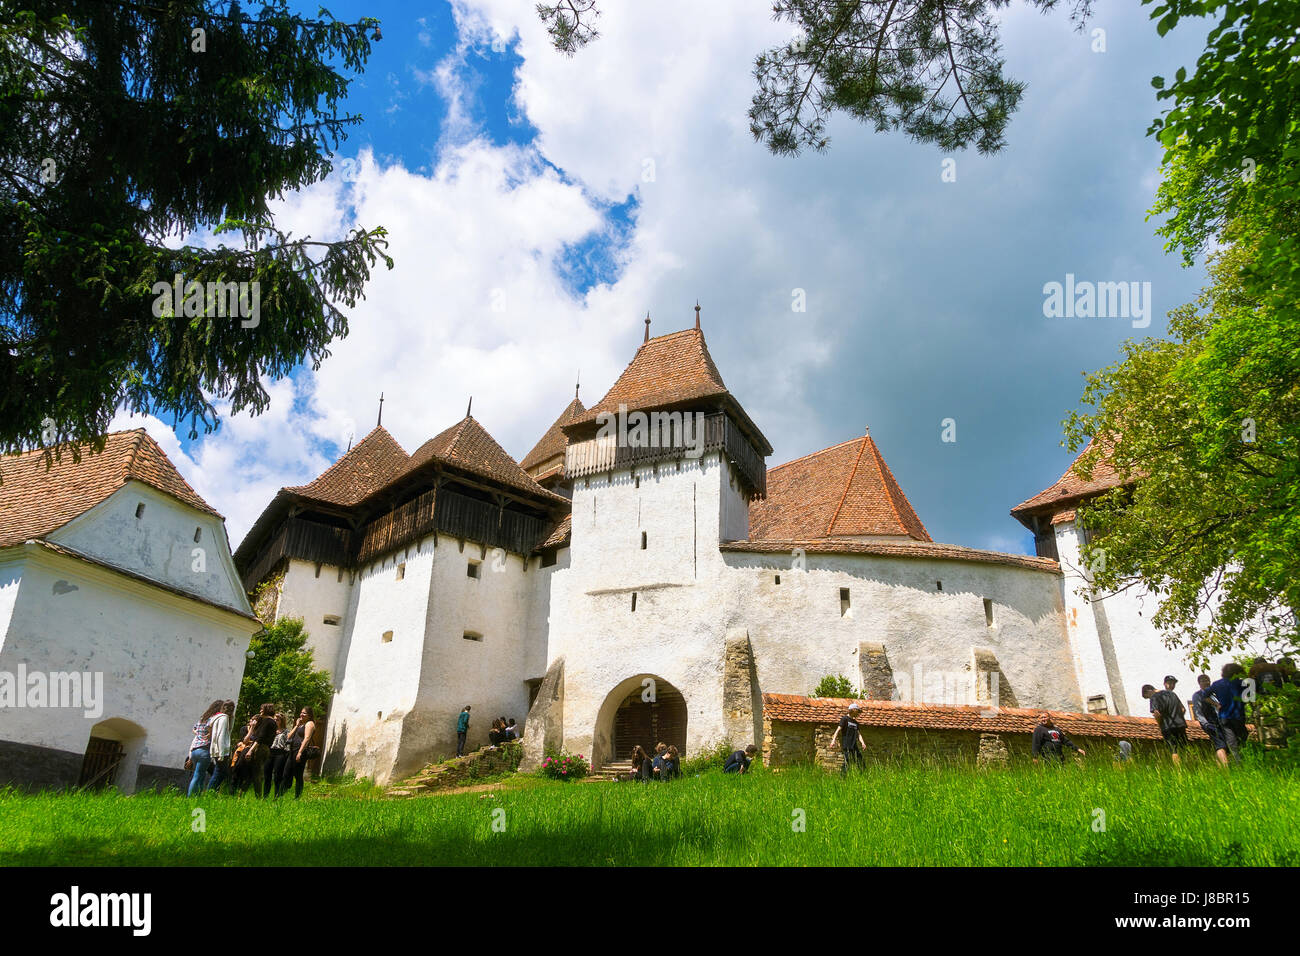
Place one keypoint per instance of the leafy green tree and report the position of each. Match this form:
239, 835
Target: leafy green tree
836, 686
1205, 428
282, 671
123, 126
931, 68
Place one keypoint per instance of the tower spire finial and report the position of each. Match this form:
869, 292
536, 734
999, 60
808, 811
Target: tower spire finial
697, 314
469, 406
380, 420
647, 327
577, 384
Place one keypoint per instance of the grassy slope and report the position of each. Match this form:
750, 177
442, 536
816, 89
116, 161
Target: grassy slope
890, 815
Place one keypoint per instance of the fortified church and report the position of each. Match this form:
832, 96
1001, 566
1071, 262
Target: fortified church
622, 592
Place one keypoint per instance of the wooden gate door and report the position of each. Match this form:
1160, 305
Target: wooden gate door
99, 768
650, 722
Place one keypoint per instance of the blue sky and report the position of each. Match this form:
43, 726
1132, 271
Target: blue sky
530, 243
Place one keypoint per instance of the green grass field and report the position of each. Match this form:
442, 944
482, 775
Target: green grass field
903, 815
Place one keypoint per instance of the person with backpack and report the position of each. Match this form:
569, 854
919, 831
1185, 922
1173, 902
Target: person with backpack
258, 740
1229, 690
849, 735
1205, 710
1049, 739
1168, 710
200, 758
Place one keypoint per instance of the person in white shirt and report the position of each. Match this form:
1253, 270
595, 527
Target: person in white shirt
221, 746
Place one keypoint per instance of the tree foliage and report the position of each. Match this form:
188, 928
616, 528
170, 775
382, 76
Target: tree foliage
1207, 424
931, 68
282, 672
125, 126
835, 685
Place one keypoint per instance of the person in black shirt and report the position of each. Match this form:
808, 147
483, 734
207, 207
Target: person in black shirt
850, 739
258, 747
739, 761
1167, 707
1049, 739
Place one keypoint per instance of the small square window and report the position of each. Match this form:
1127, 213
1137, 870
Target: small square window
1097, 705
473, 570
388, 637
332, 620
778, 579
473, 636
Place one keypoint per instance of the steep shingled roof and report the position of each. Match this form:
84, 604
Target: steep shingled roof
916, 716
666, 370
1070, 488
369, 465
902, 548
468, 446
846, 490
554, 441
35, 501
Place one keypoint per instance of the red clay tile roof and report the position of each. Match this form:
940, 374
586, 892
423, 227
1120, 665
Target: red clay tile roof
668, 370
892, 549
1070, 488
844, 490
35, 501
468, 446
907, 714
369, 465
554, 442
559, 538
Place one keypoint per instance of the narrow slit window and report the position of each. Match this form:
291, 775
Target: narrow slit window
642, 540
198, 533
844, 601
633, 600
938, 585
401, 571
139, 510
778, 579
988, 612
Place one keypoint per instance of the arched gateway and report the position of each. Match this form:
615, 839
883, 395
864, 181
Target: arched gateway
644, 710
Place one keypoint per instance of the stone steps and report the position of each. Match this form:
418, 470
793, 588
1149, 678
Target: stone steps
456, 772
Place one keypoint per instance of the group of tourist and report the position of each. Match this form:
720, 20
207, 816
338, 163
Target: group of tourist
1219, 706
665, 765
271, 755
503, 731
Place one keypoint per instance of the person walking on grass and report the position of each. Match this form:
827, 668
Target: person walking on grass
258, 740
200, 758
849, 735
462, 728
740, 760
1167, 708
278, 755
1049, 739
1205, 710
1228, 691
299, 742
221, 746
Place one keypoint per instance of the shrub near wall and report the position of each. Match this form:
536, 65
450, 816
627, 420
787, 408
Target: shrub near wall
561, 765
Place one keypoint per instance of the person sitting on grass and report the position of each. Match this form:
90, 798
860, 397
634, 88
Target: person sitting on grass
1125, 752
850, 737
1167, 708
672, 764
657, 763
1049, 739
740, 760
640, 764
